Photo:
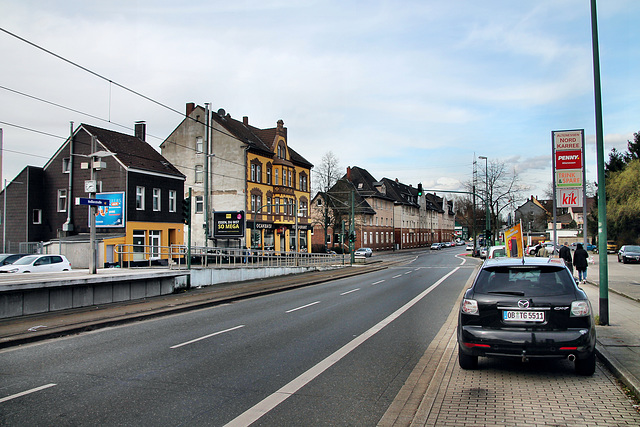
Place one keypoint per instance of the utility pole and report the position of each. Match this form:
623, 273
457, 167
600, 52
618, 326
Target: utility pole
92, 209
353, 225
206, 176
602, 197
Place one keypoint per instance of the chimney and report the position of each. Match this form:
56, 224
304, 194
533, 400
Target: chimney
141, 130
245, 120
349, 173
190, 107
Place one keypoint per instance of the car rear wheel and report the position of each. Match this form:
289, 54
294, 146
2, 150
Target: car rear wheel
586, 366
467, 362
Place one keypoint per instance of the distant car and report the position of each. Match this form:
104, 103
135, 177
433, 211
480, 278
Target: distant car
460, 243
483, 252
469, 246
629, 253
436, 246
497, 252
38, 264
6, 259
526, 308
611, 247
591, 247
365, 252
550, 248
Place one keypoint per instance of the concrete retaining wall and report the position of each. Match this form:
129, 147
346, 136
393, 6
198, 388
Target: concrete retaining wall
31, 295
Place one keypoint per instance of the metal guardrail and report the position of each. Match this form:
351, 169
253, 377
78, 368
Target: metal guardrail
175, 256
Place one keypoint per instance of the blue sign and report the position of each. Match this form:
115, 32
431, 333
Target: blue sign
92, 202
112, 214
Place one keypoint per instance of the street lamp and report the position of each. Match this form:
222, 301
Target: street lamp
486, 199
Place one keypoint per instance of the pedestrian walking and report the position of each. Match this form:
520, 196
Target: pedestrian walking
565, 254
580, 258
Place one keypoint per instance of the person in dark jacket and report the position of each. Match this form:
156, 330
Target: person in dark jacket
565, 254
580, 262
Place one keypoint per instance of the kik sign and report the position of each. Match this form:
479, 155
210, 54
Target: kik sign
569, 198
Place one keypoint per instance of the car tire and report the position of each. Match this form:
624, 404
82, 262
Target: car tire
586, 367
467, 362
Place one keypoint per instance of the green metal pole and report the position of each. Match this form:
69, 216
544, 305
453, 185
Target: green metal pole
602, 198
353, 226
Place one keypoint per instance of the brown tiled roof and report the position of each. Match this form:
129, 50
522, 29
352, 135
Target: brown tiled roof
133, 152
257, 139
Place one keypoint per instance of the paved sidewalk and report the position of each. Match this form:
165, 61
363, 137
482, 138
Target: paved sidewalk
618, 344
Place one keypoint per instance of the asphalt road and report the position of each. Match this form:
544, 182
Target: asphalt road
330, 354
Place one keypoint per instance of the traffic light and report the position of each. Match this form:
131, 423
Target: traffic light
352, 236
419, 189
186, 210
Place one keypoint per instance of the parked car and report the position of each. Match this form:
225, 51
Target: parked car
38, 264
611, 247
629, 253
526, 308
365, 252
497, 251
436, 246
469, 246
483, 252
6, 259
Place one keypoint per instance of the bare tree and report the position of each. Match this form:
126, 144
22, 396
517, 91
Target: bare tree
326, 176
500, 186
327, 173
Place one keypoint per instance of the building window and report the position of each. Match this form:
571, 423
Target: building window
268, 204
156, 199
66, 165
253, 202
277, 207
37, 216
269, 175
199, 145
62, 200
199, 204
199, 173
172, 200
253, 173
140, 198
290, 181
258, 173
277, 177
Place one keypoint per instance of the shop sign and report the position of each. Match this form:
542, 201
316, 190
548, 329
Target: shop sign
228, 225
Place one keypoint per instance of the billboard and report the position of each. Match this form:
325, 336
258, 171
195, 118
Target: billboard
514, 242
228, 225
111, 215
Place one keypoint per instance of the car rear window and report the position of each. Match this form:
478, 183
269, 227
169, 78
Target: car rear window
525, 281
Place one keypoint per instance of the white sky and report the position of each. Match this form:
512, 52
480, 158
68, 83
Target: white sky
405, 89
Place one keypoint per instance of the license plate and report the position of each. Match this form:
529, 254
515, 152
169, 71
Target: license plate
522, 316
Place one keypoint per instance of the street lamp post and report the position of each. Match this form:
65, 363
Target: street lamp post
486, 199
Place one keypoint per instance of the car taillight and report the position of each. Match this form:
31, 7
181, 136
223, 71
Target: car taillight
580, 308
469, 306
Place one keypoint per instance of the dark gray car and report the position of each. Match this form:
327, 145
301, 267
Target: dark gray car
526, 308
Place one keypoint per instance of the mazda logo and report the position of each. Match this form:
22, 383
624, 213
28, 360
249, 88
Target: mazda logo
523, 303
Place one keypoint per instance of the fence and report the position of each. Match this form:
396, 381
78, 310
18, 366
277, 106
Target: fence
175, 256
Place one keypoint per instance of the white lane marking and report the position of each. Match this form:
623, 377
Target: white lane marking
254, 413
408, 272
24, 393
304, 306
463, 258
207, 336
395, 277
378, 282
348, 292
